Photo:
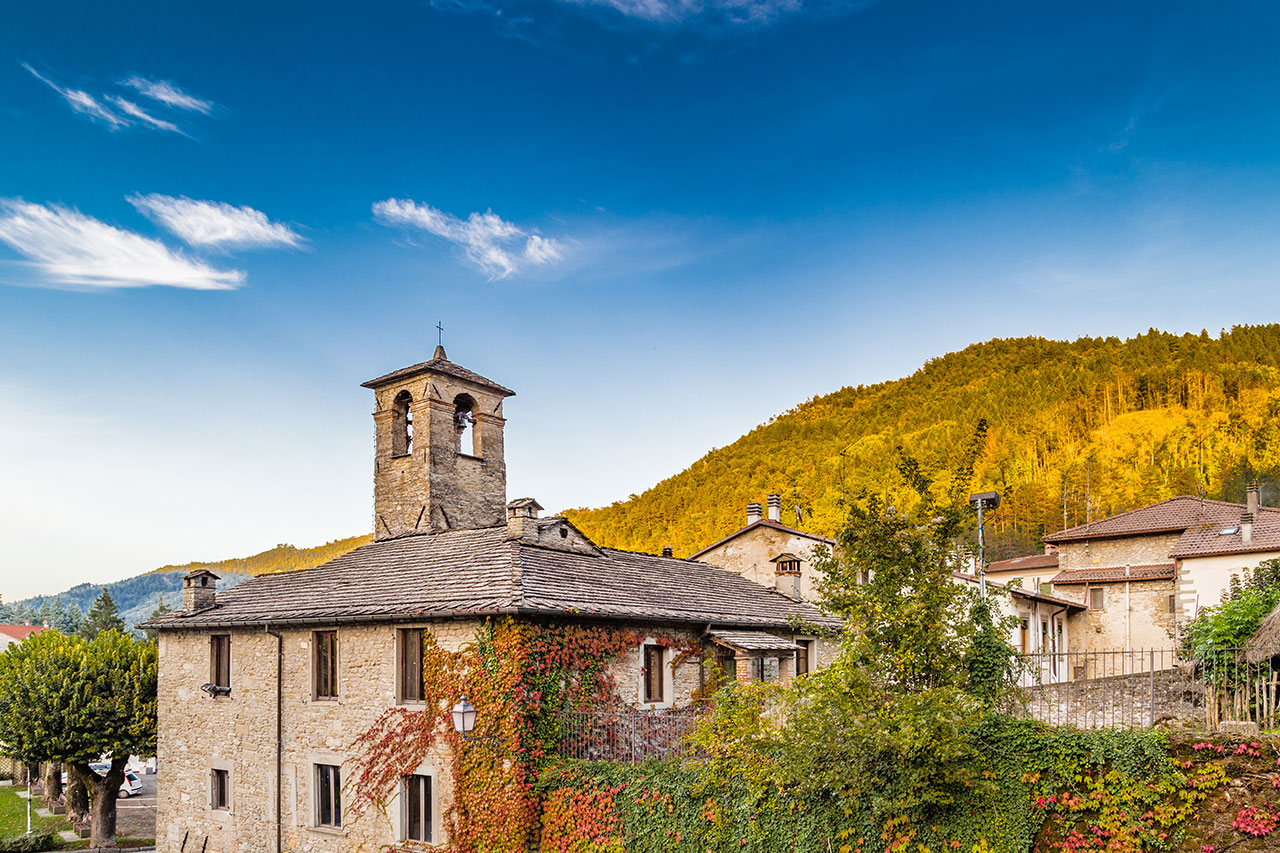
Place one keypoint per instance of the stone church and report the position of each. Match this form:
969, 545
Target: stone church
263, 688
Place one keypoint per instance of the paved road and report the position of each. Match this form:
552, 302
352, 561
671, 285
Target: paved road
136, 816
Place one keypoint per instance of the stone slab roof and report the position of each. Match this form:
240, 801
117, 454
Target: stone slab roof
439, 364
764, 522
482, 572
1171, 516
1022, 564
753, 641
1110, 574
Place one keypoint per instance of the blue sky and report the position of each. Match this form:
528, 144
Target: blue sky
660, 221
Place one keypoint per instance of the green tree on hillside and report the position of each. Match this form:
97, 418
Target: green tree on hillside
67, 699
103, 616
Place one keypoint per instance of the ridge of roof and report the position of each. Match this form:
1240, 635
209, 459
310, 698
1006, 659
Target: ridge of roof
1167, 517
439, 365
1087, 574
762, 522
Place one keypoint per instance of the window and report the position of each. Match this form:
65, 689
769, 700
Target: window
220, 663
328, 795
402, 425
411, 686
1024, 635
1096, 599
417, 808
1173, 604
326, 664
654, 677
220, 789
804, 657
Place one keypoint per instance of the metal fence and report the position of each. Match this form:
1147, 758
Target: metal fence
628, 735
1210, 691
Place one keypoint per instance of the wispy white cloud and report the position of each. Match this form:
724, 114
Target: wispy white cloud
709, 16
66, 247
487, 240
81, 101
168, 94
214, 223
129, 107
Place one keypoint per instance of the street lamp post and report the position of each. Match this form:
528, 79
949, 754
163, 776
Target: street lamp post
983, 500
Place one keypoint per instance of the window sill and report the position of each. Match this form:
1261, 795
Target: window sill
221, 814
469, 456
329, 830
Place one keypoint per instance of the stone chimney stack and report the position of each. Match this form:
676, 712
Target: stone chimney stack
1246, 528
522, 519
775, 507
199, 591
666, 551
754, 513
1251, 499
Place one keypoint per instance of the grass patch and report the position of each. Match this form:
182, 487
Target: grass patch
13, 814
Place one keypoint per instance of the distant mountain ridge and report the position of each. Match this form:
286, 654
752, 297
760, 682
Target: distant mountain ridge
1077, 430
139, 596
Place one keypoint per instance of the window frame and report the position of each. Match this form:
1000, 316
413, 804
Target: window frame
220, 664
333, 803
219, 789
805, 654
1101, 593
409, 655
650, 674
411, 785
325, 686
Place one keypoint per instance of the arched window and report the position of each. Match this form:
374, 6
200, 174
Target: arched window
402, 425
464, 423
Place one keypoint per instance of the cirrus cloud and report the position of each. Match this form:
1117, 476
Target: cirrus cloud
215, 224
488, 242
69, 248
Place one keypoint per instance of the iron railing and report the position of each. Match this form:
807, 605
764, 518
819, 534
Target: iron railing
629, 735
1203, 691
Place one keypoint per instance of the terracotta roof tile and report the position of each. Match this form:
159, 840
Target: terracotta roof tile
1021, 564
482, 572
1109, 574
1208, 539
21, 632
1169, 516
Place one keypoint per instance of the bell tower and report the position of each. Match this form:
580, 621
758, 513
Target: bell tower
438, 457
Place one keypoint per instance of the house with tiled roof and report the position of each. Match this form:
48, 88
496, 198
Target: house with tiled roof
1141, 572
11, 634
264, 688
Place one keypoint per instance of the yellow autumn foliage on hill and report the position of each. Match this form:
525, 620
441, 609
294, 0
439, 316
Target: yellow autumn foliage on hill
1077, 430
282, 558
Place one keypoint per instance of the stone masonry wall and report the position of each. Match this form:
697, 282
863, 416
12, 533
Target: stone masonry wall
1166, 697
750, 553
1151, 625
1128, 550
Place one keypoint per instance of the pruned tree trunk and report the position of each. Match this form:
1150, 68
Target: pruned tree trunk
76, 797
52, 782
103, 793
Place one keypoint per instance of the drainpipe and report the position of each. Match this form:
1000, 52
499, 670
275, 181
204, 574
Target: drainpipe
1127, 608
279, 734
1053, 638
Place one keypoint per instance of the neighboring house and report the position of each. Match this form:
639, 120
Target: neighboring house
10, 634
336, 643
1044, 626
770, 553
1034, 572
1142, 572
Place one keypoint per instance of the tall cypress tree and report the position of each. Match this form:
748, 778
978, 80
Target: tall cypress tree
103, 616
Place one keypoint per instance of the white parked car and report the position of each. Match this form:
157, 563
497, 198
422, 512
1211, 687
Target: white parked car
130, 787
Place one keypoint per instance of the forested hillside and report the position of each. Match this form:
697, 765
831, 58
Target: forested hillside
1077, 429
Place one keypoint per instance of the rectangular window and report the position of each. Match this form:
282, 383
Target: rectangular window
328, 795
417, 808
326, 664
1096, 599
220, 663
654, 682
1173, 604
1024, 634
804, 657
220, 789
411, 687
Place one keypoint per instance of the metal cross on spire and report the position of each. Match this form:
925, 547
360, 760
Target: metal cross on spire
440, 330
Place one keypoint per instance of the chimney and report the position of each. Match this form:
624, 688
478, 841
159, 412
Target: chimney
775, 507
666, 551
1246, 528
522, 519
1251, 499
199, 590
1050, 548
753, 513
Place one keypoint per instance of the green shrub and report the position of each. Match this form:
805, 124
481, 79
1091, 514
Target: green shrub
36, 841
